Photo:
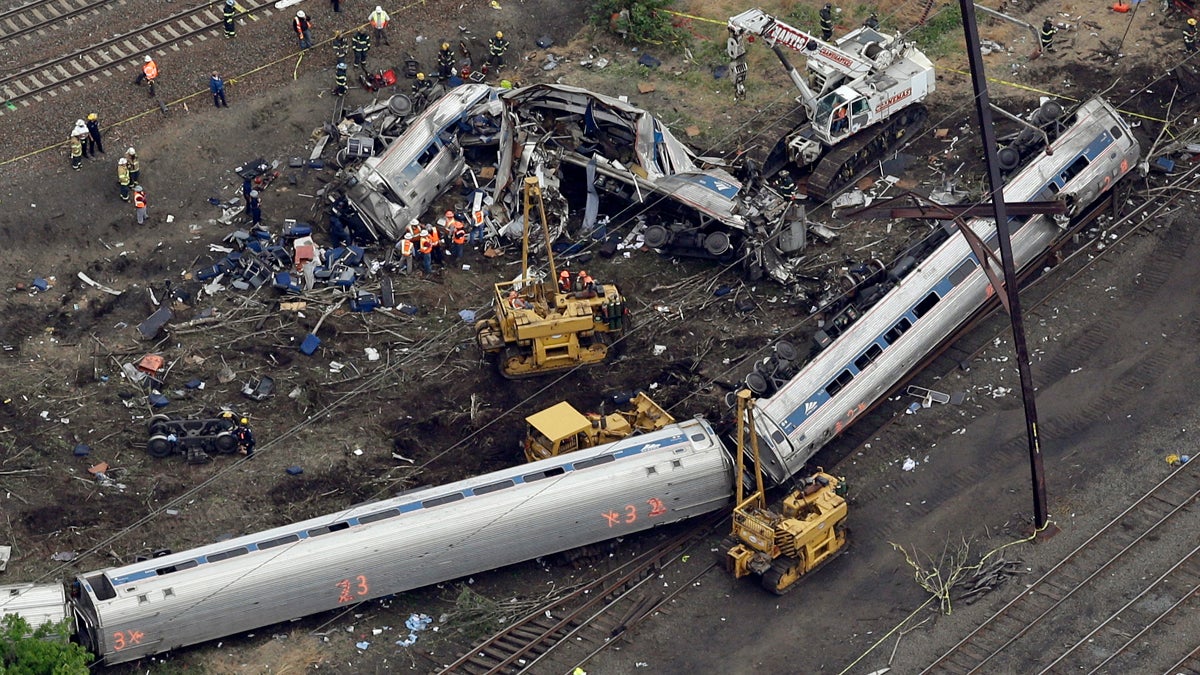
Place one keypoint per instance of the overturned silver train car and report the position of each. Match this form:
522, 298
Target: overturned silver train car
591, 152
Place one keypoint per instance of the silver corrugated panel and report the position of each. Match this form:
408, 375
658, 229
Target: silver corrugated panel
37, 603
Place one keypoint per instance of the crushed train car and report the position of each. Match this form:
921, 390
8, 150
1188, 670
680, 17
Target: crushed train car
592, 152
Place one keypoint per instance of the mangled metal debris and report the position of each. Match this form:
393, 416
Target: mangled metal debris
592, 153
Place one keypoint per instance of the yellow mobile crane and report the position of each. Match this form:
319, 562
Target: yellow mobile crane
540, 328
782, 547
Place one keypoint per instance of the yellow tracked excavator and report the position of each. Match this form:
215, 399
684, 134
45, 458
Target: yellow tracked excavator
781, 547
540, 327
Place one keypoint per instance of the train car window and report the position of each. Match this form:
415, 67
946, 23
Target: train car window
698, 438
868, 357
102, 587
595, 461
1073, 170
378, 516
899, 329
336, 527
963, 271
556, 471
168, 592
650, 471
778, 437
839, 383
143, 599
494, 487
226, 555
278, 541
444, 499
925, 305
185, 565
1115, 131
676, 464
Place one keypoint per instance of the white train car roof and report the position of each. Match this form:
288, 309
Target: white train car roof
799, 418
37, 603
413, 540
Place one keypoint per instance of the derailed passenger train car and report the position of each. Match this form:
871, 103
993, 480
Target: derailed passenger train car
1094, 149
413, 540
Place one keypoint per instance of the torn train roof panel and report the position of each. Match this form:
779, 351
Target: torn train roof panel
658, 162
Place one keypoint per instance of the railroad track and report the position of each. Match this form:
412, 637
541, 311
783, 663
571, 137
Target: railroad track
41, 81
567, 631
1046, 609
41, 15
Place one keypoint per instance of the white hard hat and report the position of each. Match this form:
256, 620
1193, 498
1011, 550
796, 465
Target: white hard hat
378, 8
147, 58
424, 233
122, 161
131, 151
254, 193
414, 221
80, 123
300, 14
408, 235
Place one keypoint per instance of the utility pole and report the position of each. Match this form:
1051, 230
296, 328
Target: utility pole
996, 183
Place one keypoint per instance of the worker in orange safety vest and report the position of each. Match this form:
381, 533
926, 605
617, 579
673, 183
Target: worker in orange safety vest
435, 239
564, 282
425, 248
149, 73
406, 253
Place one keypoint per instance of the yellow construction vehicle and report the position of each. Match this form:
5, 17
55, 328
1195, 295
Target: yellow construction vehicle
782, 547
540, 327
561, 428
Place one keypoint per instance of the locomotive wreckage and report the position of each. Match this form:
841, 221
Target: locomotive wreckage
592, 153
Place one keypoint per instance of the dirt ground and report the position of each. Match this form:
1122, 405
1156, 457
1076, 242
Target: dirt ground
372, 428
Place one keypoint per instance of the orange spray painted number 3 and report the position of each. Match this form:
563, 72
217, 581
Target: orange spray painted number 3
350, 590
629, 514
127, 638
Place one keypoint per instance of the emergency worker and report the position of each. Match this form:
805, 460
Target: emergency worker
139, 204
149, 73
245, 437
340, 48
1189, 36
497, 48
826, 21
339, 79
303, 27
227, 19
458, 239
96, 141
379, 21
425, 248
406, 248
564, 282
135, 167
435, 240
362, 45
123, 178
445, 61
76, 142
1047, 37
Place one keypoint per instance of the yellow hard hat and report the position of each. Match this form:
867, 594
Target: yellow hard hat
1191, 22
420, 76
245, 420
445, 45
93, 116
499, 35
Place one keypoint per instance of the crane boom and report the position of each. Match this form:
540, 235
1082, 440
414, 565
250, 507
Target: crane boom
775, 32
